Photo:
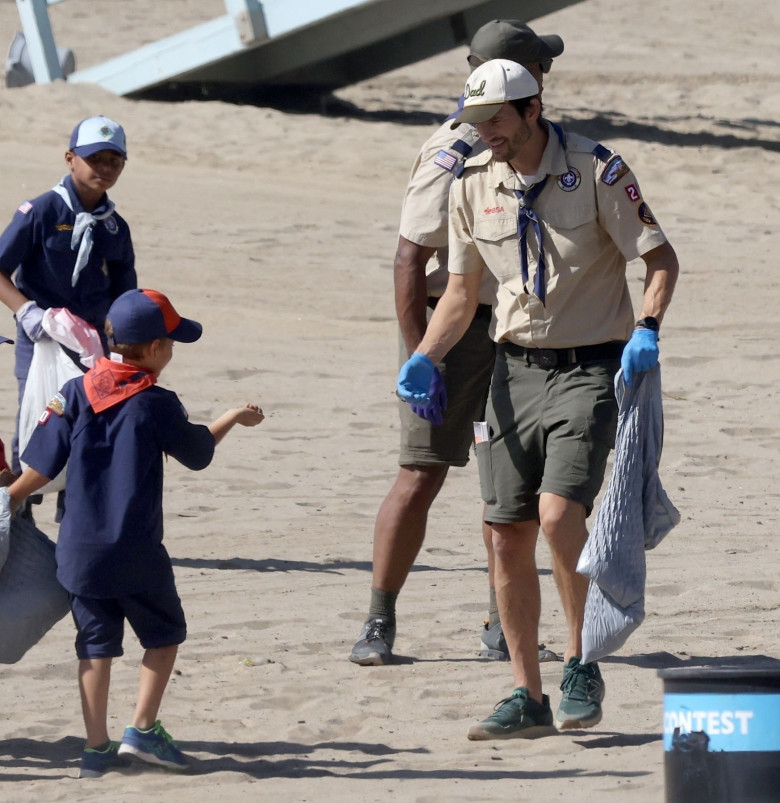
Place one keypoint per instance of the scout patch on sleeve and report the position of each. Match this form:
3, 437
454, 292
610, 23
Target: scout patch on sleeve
57, 404
633, 193
25, 207
646, 216
445, 160
614, 171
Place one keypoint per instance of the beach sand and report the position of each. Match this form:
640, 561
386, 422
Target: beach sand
277, 231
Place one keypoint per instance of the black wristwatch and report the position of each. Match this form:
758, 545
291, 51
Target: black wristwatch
647, 323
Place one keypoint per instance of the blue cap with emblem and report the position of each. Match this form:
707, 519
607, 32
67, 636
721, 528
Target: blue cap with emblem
98, 134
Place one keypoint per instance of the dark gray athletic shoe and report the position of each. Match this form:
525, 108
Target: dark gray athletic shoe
516, 717
494, 646
374, 647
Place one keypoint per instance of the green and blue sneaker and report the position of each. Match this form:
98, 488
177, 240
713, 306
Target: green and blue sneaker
583, 692
95, 761
516, 717
153, 746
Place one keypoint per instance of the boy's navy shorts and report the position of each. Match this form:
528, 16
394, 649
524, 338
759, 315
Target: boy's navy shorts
156, 617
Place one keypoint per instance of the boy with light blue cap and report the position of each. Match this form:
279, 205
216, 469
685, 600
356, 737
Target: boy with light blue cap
68, 248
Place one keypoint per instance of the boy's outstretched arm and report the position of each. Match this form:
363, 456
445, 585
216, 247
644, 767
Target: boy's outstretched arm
28, 483
248, 416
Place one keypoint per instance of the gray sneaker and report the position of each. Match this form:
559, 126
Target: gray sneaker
583, 692
517, 717
494, 646
374, 647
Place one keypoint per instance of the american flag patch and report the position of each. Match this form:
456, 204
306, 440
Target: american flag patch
445, 159
25, 207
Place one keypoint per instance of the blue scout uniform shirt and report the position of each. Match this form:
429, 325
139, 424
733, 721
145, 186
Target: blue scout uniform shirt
110, 539
38, 243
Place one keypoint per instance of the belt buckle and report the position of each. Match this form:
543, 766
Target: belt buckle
546, 358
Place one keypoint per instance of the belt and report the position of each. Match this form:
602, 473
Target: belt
560, 358
484, 311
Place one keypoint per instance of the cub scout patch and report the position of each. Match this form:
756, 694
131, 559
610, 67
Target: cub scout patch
633, 193
111, 225
25, 207
645, 215
57, 404
614, 171
570, 180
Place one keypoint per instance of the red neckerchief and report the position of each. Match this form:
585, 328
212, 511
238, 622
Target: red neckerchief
110, 383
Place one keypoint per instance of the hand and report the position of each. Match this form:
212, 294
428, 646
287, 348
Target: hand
640, 353
414, 379
30, 316
249, 416
434, 411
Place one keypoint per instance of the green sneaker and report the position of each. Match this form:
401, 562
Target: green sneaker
583, 692
517, 717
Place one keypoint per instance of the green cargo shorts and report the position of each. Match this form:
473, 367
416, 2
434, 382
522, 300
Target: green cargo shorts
466, 370
551, 431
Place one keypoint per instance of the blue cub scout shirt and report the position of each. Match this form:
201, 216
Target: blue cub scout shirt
110, 539
37, 244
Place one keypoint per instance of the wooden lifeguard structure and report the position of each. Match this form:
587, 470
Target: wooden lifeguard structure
318, 44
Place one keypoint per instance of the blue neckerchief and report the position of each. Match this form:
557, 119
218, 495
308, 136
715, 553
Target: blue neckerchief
525, 216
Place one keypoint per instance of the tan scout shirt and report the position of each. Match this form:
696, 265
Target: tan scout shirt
593, 221
425, 208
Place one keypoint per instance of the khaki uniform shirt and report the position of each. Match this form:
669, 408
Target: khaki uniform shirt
425, 207
593, 221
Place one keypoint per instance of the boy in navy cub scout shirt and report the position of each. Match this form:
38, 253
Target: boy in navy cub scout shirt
68, 247
112, 427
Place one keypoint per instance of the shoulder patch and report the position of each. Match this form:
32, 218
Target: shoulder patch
445, 160
645, 215
25, 207
614, 171
57, 404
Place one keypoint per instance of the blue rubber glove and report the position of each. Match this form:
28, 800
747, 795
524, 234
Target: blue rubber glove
434, 411
414, 379
30, 316
640, 353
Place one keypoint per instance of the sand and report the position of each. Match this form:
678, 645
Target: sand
277, 230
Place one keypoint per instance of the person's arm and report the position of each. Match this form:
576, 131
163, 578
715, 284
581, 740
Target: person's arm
452, 316
27, 484
660, 279
10, 294
411, 294
641, 351
248, 416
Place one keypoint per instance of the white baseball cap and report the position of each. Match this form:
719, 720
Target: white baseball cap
98, 134
490, 86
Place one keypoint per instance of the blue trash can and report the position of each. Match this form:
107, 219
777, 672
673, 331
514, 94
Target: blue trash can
722, 734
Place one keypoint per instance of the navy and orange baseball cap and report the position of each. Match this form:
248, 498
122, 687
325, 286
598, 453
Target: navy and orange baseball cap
139, 316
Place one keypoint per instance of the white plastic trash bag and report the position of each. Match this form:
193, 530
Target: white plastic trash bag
49, 370
31, 599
